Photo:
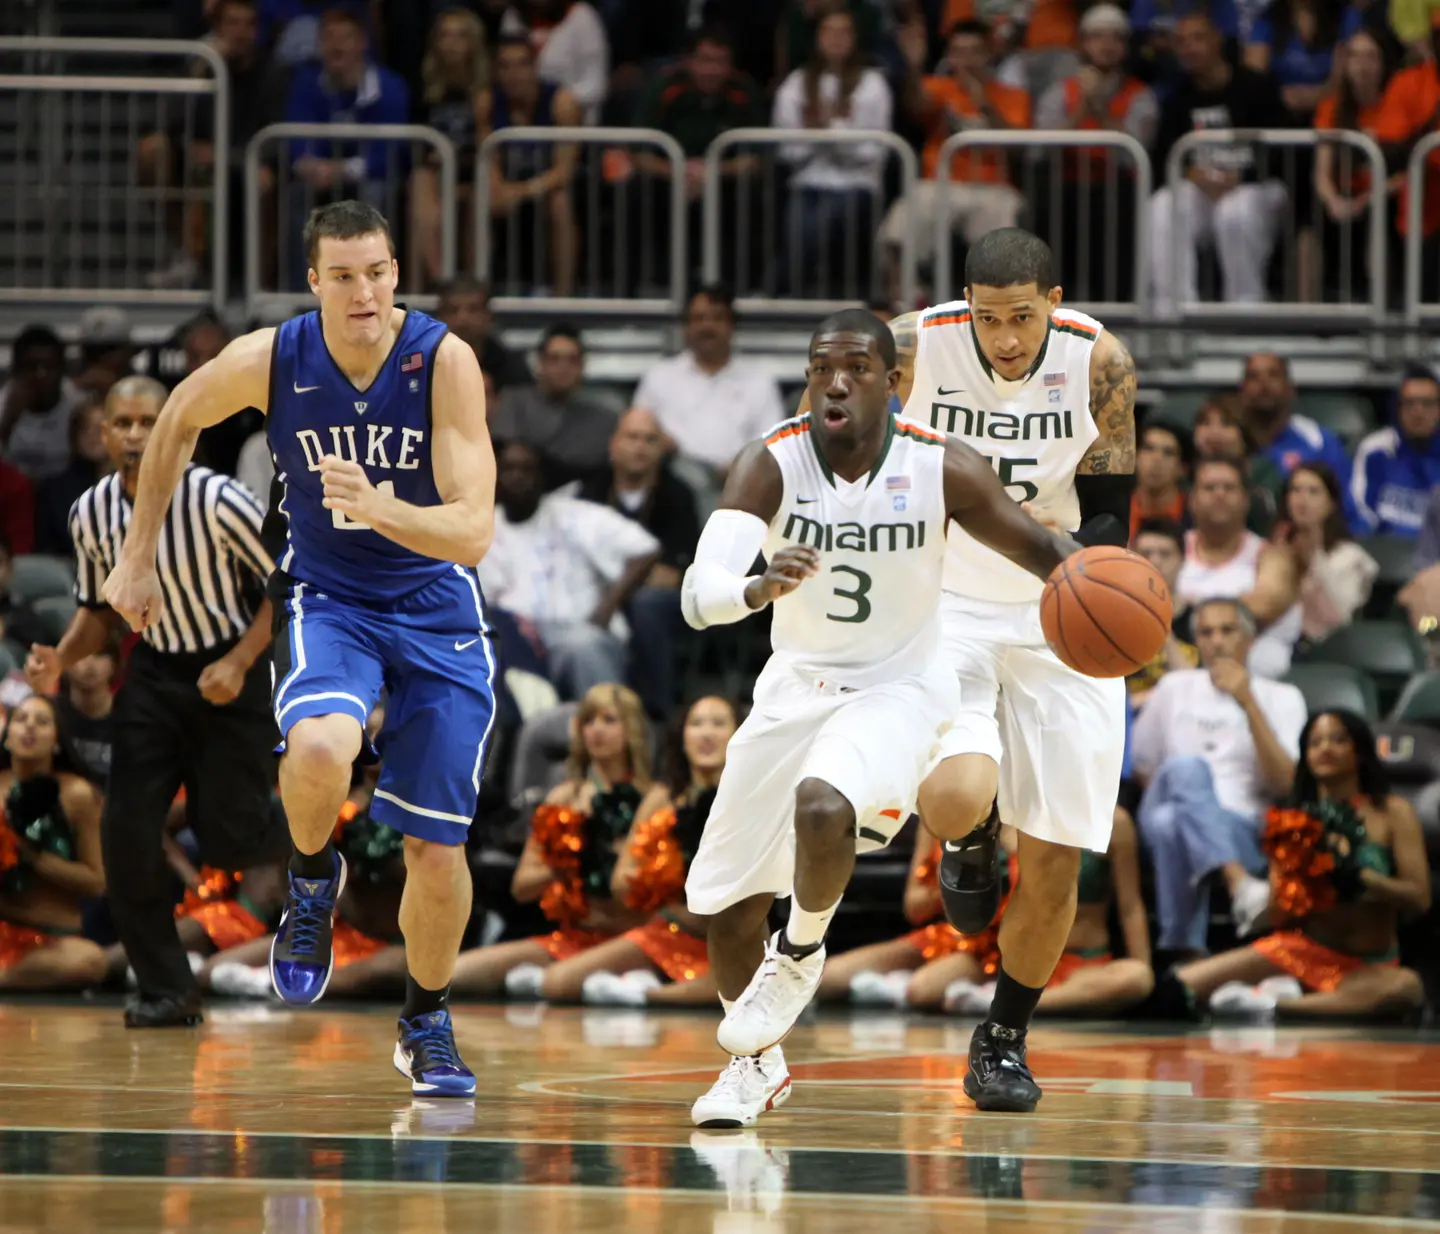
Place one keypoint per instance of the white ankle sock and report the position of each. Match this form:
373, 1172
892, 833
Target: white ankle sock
805, 929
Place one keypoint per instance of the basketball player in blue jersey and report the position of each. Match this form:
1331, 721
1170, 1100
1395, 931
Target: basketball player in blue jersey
376, 420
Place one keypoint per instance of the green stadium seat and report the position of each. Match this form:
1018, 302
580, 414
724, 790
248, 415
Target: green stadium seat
1180, 407
1395, 555
1337, 686
55, 613
1420, 701
1348, 416
611, 398
1389, 652
36, 576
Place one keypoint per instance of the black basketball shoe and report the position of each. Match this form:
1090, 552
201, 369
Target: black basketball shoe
999, 1078
970, 876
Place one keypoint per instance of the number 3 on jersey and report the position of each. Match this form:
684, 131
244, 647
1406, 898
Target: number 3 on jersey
343, 522
856, 595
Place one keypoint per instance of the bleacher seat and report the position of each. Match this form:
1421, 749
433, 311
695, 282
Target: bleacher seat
1348, 416
541, 749
1389, 651
35, 576
1337, 686
1419, 703
1395, 555
1180, 407
611, 398
55, 613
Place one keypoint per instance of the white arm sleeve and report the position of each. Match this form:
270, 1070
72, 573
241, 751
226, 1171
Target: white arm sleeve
713, 593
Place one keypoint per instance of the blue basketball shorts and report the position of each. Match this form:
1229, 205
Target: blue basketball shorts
433, 654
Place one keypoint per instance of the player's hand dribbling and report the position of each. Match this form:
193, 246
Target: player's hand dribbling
43, 669
348, 489
790, 567
133, 591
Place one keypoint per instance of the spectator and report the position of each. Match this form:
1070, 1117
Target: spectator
571, 432
1221, 431
572, 50
1342, 178
1222, 558
1161, 541
1337, 962
51, 857
17, 508
36, 404
345, 88
567, 567
1154, 38
963, 95
85, 703
1162, 466
709, 402
1101, 95
834, 189
1336, 574
1421, 595
799, 32
1294, 43
255, 468
1211, 746
1267, 400
455, 75
530, 182
1221, 197
1396, 469
89, 463
465, 308
20, 624
293, 28
640, 486
106, 352
1042, 37
220, 445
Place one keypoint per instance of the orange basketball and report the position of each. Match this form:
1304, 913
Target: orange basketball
1106, 611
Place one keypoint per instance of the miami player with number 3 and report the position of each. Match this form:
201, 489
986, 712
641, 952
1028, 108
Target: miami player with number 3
1048, 396
849, 505
376, 419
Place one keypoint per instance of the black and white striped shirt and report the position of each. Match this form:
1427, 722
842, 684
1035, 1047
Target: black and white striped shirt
212, 564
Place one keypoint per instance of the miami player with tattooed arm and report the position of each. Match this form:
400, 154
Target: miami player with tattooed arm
849, 506
1047, 396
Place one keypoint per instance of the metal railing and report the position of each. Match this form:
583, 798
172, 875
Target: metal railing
1304, 270
1056, 176
797, 238
108, 192
370, 161
602, 233
1416, 309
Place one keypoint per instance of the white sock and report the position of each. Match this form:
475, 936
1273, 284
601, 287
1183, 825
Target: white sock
805, 929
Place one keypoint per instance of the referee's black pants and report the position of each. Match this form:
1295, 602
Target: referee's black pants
166, 735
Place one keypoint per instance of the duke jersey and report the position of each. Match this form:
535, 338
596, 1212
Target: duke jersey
1033, 432
871, 614
315, 411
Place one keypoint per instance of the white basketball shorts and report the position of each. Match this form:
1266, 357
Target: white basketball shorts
1057, 735
874, 746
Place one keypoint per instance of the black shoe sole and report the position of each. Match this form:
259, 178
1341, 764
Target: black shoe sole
995, 1103
192, 1019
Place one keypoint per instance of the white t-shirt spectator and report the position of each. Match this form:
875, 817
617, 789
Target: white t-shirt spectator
255, 467
558, 564
1187, 715
711, 416
40, 445
848, 165
574, 54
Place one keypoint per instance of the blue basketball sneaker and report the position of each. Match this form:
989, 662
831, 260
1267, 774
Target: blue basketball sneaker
426, 1053
300, 957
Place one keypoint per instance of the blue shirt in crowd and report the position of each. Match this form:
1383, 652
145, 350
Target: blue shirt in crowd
1393, 481
382, 98
1304, 441
1294, 64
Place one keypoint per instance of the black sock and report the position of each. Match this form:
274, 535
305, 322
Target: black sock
1012, 1007
794, 950
420, 1001
313, 865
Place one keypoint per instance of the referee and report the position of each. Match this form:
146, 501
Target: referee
195, 706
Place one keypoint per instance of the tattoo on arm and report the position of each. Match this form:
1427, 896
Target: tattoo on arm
1112, 403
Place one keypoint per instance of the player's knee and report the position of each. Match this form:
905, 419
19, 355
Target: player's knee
956, 797
1405, 990
324, 746
430, 862
823, 816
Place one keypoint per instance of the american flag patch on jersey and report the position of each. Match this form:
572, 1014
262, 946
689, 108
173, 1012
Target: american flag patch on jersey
1054, 379
417, 360
897, 484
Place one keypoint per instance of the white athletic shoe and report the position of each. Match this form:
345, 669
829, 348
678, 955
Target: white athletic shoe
242, 981
1249, 904
779, 991
872, 989
606, 989
525, 981
746, 1089
1281, 988
1237, 1001
967, 998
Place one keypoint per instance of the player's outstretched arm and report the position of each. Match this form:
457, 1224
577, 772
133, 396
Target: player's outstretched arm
1105, 478
462, 527
975, 498
718, 588
906, 329
238, 377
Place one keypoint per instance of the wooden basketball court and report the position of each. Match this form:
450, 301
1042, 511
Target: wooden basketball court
287, 1122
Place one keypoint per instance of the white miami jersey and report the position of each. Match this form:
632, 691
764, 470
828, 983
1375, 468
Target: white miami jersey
1033, 432
871, 614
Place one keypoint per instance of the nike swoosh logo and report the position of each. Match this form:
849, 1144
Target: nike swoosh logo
805, 501
299, 389
944, 393
459, 646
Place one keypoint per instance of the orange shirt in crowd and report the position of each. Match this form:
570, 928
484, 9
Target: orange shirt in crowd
1359, 180
1053, 23
1407, 110
946, 95
1116, 109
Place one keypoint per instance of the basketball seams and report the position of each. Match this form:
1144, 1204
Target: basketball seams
1085, 608
1129, 595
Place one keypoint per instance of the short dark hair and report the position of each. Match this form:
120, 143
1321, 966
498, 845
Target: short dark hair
1167, 527
862, 322
1418, 372
343, 220
1009, 257
221, 5
35, 338
972, 28
1237, 465
1183, 439
561, 329
1274, 355
514, 40
716, 293
711, 32
340, 12
464, 285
